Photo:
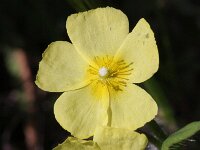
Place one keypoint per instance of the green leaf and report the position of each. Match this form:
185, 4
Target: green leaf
181, 135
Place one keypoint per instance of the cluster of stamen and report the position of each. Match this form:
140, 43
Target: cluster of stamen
110, 72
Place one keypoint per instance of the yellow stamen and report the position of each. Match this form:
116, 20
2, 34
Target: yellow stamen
110, 72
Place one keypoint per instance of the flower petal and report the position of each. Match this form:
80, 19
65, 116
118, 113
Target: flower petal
140, 48
97, 32
80, 111
61, 68
131, 108
119, 139
72, 143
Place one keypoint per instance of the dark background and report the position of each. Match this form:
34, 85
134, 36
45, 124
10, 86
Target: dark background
28, 26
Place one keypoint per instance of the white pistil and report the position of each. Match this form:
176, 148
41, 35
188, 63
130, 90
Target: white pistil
103, 71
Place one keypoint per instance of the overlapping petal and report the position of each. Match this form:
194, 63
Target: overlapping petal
107, 138
77, 144
81, 111
140, 48
119, 139
61, 68
131, 108
98, 32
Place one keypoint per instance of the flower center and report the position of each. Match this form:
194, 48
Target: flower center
103, 72
112, 73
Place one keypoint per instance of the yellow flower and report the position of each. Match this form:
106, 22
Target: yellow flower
107, 138
97, 70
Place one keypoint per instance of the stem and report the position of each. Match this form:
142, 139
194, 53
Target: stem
154, 141
157, 131
157, 135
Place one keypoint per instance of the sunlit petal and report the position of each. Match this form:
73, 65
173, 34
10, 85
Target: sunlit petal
61, 68
140, 49
81, 111
131, 108
119, 139
98, 32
